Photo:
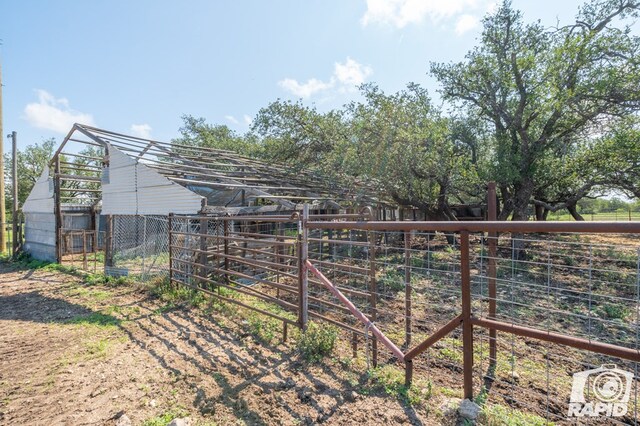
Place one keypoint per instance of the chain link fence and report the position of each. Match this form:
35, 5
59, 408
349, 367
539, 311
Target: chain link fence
139, 246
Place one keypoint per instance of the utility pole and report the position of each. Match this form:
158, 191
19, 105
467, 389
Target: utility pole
3, 217
14, 185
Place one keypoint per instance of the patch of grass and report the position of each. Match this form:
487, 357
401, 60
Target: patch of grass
265, 329
98, 349
452, 351
102, 279
449, 392
166, 417
608, 311
98, 295
317, 341
390, 379
176, 295
391, 279
495, 415
98, 319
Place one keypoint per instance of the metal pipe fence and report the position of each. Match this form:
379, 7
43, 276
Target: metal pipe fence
82, 248
506, 311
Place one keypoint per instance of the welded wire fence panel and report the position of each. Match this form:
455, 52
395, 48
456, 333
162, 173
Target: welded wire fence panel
579, 285
407, 283
140, 246
584, 287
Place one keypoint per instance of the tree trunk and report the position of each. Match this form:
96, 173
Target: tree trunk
539, 213
574, 212
522, 197
545, 214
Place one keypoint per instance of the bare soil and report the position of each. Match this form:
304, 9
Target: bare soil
77, 354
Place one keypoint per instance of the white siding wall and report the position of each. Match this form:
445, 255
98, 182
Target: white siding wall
133, 188
40, 221
40, 199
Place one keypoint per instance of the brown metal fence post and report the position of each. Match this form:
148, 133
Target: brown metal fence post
373, 294
84, 250
407, 288
467, 327
492, 215
108, 249
170, 228
204, 229
303, 238
226, 250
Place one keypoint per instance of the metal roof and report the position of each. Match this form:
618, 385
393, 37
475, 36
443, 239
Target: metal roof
225, 178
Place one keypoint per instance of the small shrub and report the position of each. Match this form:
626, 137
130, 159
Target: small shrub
317, 341
613, 311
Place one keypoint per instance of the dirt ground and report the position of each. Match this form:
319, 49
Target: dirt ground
76, 354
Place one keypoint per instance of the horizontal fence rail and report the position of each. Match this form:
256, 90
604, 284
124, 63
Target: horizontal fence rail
513, 308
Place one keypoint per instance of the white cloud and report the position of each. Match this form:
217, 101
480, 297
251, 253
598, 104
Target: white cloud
304, 90
53, 113
247, 120
400, 13
466, 23
231, 119
351, 72
345, 76
141, 130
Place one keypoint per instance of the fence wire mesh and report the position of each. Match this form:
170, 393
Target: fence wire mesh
139, 246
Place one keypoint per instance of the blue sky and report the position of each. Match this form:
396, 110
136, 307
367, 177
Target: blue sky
137, 66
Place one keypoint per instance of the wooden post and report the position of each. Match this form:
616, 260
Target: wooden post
467, 327
14, 182
492, 215
3, 224
373, 295
407, 288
